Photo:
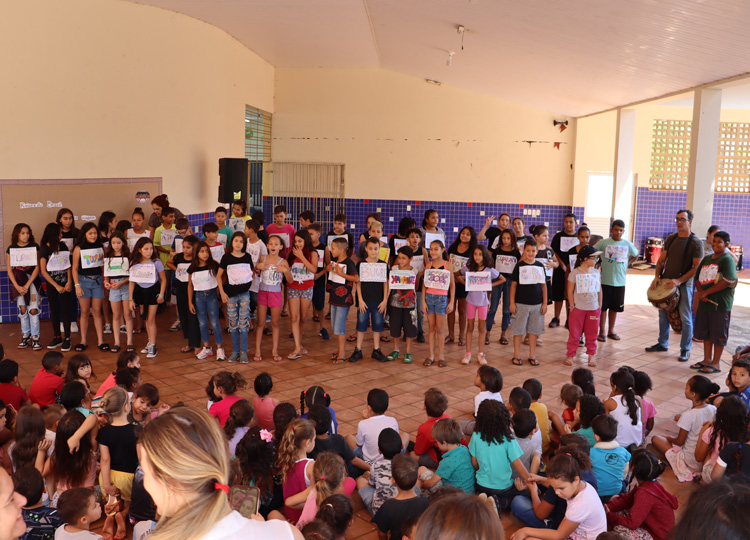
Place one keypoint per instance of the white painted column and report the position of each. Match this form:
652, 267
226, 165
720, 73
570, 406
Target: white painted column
704, 149
623, 202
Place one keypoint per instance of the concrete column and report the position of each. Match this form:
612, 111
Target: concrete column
624, 188
704, 149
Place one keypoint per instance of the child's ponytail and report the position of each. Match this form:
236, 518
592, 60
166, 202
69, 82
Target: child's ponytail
329, 472
623, 381
240, 415
645, 467
568, 464
315, 395
113, 401
703, 387
296, 433
229, 382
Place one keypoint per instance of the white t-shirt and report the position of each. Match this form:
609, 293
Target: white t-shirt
62, 534
236, 527
234, 441
692, 421
368, 432
627, 433
586, 509
486, 394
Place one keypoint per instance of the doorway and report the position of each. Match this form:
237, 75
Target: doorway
599, 193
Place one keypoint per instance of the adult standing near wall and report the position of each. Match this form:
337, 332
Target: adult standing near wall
682, 254
159, 203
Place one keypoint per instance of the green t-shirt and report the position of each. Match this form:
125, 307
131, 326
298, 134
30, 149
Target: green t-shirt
164, 238
456, 469
707, 273
495, 461
615, 255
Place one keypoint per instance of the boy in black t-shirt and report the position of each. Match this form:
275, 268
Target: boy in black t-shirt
528, 302
394, 512
343, 275
319, 289
372, 290
335, 443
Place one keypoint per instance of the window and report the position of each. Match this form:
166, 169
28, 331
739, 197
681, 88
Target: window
257, 135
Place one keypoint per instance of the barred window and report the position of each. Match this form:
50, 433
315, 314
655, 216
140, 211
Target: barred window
257, 135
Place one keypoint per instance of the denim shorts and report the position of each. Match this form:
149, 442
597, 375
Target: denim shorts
338, 319
436, 303
371, 314
92, 286
119, 295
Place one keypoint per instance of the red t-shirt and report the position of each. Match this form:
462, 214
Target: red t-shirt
13, 395
220, 409
108, 383
45, 387
425, 443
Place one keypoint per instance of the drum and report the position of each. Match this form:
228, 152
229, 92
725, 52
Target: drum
667, 298
654, 247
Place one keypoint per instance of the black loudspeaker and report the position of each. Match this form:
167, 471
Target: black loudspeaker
233, 179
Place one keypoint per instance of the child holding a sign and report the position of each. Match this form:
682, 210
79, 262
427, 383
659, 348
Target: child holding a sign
225, 231
402, 303
438, 296
88, 262
506, 256
239, 216
414, 237
528, 302
139, 229
21, 259
562, 242
372, 292
271, 269
459, 253
319, 289
400, 239
546, 256
165, 234
479, 278
585, 301
342, 275
237, 264
116, 277
339, 231
203, 298
54, 265
303, 263
372, 216
148, 283
430, 230
375, 231
179, 264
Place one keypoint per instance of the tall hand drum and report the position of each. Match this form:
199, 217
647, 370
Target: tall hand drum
667, 298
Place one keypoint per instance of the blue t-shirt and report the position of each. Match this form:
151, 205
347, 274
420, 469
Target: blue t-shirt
41, 523
609, 468
495, 461
334, 423
456, 469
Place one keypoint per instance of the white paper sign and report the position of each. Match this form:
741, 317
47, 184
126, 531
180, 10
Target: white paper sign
373, 272
59, 261
167, 237
92, 258
334, 277
402, 280
116, 266
178, 245
457, 262
321, 257
417, 262
181, 274
203, 280
23, 256
587, 283
236, 224
284, 237
708, 274
217, 252
300, 273
521, 243
479, 281
271, 276
530, 275
572, 261
222, 239
143, 273
429, 238
505, 263
398, 243
547, 263
617, 253
239, 274
69, 242
437, 279
495, 242
333, 237
133, 238
568, 242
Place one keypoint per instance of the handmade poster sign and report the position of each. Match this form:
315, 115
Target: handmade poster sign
479, 281
92, 258
708, 274
271, 276
236, 224
334, 277
321, 257
59, 261
178, 245
143, 273
133, 240
116, 266
437, 279
385, 253
547, 263
417, 263
521, 243
567, 243
222, 239
373, 272
301, 273
239, 274
398, 243
167, 237
217, 252
181, 274
457, 262
505, 263
203, 280
588, 283
333, 237
530, 275
402, 280
572, 261
23, 256
617, 253
284, 238
254, 251
69, 243
429, 238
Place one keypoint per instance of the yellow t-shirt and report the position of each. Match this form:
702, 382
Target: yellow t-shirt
540, 410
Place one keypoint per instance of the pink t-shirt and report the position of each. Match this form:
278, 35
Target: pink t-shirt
220, 409
108, 383
706, 438
311, 506
648, 410
286, 233
264, 408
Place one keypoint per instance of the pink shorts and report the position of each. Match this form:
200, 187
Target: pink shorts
272, 299
472, 311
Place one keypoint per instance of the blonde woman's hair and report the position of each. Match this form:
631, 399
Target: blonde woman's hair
187, 452
329, 472
459, 517
296, 433
113, 401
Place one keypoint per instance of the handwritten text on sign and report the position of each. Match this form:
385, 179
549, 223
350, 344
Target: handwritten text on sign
478, 281
505, 263
402, 280
437, 279
457, 262
92, 258
300, 273
530, 275
23, 256
587, 283
143, 273
617, 253
376, 272
568, 242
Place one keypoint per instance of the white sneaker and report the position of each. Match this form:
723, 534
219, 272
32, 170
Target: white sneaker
204, 353
107, 328
220, 356
146, 348
151, 352
74, 327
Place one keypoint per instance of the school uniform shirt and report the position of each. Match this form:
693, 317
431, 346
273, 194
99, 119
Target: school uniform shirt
91, 251
332, 235
615, 256
479, 298
44, 387
372, 291
506, 262
239, 271
59, 276
456, 469
495, 461
609, 460
527, 294
341, 293
586, 301
586, 509
707, 274
158, 267
395, 512
203, 278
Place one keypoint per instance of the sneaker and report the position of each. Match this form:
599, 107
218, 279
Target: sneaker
378, 355
35, 345
420, 337
656, 348
581, 342
74, 327
25, 342
408, 359
65, 345
356, 356
268, 319
152, 352
204, 353
107, 328
145, 349
55, 343
394, 356
220, 356
554, 323
123, 329
233, 357
324, 334
243, 358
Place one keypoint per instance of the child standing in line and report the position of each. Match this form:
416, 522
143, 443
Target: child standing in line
238, 266
165, 234
584, 236
414, 238
66, 220
585, 300
492, 234
561, 244
460, 252
257, 249
180, 264
116, 281
54, 265
319, 287
271, 269
477, 302
518, 229
528, 302
546, 256
342, 274
437, 302
225, 231
22, 261
286, 232
88, 260
306, 218
239, 215
400, 239
372, 294
375, 231
339, 231
372, 216
147, 283
505, 256
139, 229
430, 227
303, 264
203, 299
402, 308
624, 406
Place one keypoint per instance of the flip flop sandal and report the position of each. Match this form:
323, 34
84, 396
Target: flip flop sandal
592, 363
267, 332
303, 351
316, 318
103, 347
567, 362
613, 336
461, 342
709, 369
533, 361
503, 341
257, 358
294, 356
352, 338
277, 358
131, 348
428, 362
186, 349
285, 313
698, 365
114, 349
328, 316
516, 361
81, 347
337, 361
486, 341
601, 338
442, 363
385, 339
449, 339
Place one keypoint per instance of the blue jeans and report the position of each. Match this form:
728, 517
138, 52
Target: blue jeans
238, 313
29, 322
686, 315
522, 508
503, 290
207, 305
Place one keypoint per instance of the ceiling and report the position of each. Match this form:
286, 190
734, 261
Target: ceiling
572, 57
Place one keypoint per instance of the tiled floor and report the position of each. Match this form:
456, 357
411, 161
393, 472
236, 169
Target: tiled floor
182, 377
